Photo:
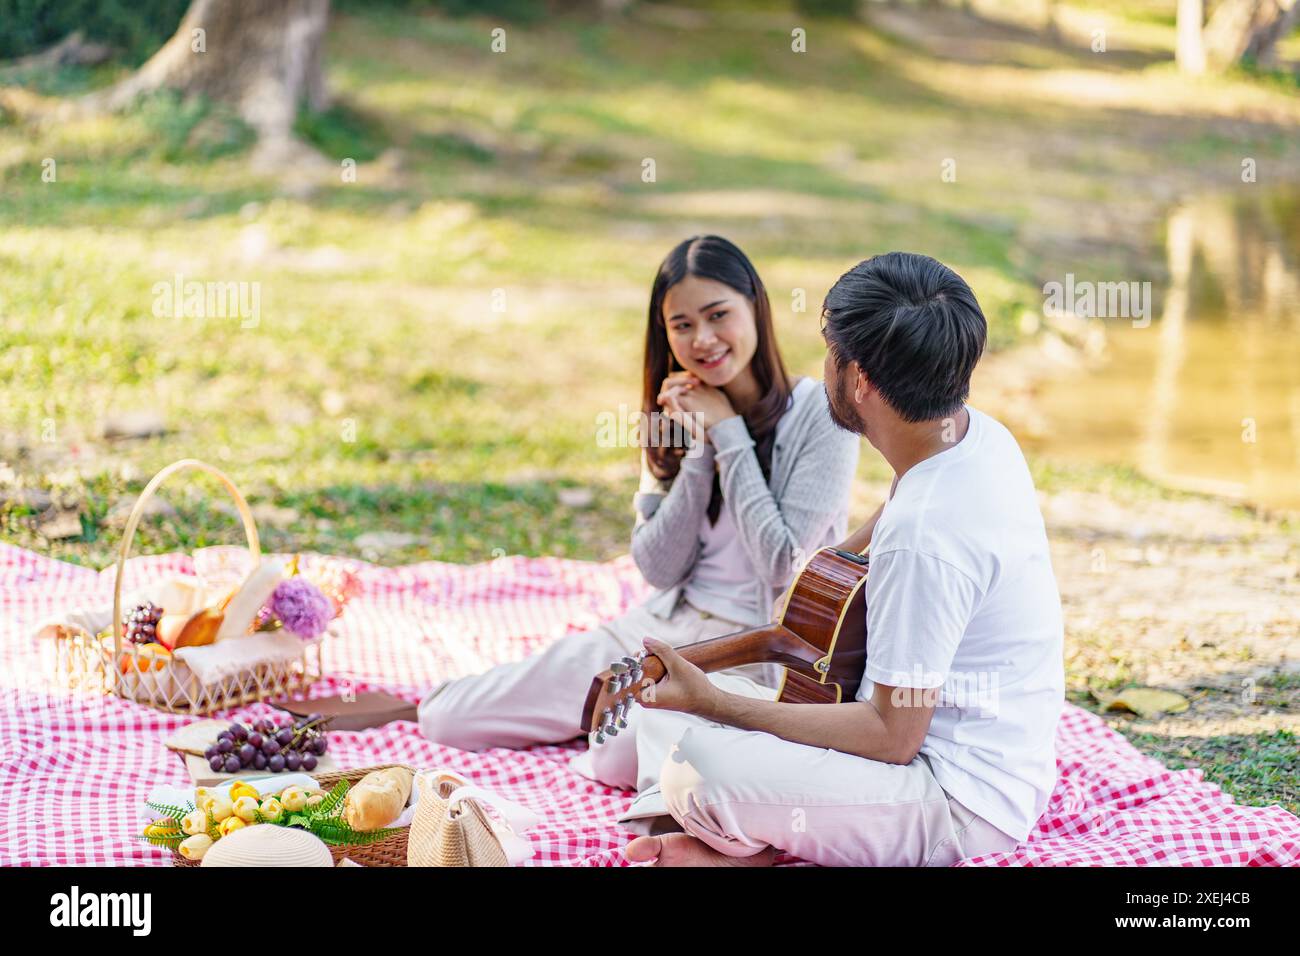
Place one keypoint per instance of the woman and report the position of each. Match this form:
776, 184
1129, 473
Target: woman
722, 526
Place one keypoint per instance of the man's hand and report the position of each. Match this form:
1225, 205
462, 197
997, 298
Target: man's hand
684, 687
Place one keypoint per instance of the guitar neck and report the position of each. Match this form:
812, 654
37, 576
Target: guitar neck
829, 587
770, 643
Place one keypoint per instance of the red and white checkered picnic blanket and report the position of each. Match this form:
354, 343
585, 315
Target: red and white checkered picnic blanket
74, 768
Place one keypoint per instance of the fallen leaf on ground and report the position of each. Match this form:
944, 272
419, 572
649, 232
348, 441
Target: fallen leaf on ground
1148, 701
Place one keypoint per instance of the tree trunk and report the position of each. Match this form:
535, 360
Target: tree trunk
1263, 45
1241, 27
263, 57
1190, 51
1051, 29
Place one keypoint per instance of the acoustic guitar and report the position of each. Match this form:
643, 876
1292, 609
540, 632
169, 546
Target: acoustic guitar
820, 639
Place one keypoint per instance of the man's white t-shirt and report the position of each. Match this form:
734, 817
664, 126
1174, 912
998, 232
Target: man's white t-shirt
961, 596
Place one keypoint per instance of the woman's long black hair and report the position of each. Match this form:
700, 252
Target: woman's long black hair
712, 257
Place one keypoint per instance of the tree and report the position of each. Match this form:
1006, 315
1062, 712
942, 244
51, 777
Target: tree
1264, 40
262, 57
1237, 29
1189, 51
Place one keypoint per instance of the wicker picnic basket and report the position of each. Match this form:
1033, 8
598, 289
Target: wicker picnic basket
388, 851
117, 667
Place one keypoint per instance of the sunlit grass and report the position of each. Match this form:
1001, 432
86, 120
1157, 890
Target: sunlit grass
437, 338
514, 182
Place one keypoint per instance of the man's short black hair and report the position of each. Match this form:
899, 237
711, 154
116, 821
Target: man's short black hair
914, 328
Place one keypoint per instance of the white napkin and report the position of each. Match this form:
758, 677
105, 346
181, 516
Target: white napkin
95, 619
214, 662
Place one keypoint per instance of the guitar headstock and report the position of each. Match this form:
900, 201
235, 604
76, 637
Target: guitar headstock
614, 692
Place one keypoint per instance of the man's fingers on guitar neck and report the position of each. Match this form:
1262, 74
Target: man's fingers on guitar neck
665, 652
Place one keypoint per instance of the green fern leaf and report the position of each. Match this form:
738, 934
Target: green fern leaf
333, 800
176, 813
170, 841
338, 832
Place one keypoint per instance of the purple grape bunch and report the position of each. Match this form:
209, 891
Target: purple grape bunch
294, 745
140, 624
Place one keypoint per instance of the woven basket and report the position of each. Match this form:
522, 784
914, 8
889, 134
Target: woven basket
390, 851
442, 835
117, 667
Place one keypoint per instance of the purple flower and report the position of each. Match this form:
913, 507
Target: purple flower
301, 607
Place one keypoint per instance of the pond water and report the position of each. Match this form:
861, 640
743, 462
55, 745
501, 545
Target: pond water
1205, 397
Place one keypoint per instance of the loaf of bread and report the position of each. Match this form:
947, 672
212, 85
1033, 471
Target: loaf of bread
378, 798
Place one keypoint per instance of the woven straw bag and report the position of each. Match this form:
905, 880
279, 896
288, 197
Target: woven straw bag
451, 828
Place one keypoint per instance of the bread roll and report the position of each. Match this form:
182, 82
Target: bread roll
378, 798
184, 595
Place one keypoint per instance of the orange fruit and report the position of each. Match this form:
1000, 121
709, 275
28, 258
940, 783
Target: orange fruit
147, 657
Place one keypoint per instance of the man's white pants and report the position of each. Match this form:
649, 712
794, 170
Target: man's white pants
737, 791
741, 791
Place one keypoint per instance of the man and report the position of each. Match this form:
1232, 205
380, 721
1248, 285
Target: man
947, 752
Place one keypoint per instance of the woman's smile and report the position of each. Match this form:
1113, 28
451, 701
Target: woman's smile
715, 358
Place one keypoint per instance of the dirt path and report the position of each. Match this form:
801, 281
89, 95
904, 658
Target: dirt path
1189, 594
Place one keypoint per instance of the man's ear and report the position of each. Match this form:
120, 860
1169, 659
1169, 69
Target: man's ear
861, 385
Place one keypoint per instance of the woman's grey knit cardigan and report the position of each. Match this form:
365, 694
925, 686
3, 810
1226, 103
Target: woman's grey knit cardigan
780, 523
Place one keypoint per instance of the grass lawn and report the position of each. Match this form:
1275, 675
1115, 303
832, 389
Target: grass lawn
438, 339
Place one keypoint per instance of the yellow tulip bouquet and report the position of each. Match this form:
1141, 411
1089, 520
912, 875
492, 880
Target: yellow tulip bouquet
192, 829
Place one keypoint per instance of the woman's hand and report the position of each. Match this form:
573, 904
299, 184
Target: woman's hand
676, 386
694, 405
670, 393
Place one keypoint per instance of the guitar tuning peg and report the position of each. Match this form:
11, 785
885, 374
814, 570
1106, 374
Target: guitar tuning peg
614, 685
600, 736
619, 667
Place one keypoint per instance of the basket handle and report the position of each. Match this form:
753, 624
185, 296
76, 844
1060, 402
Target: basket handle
137, 512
